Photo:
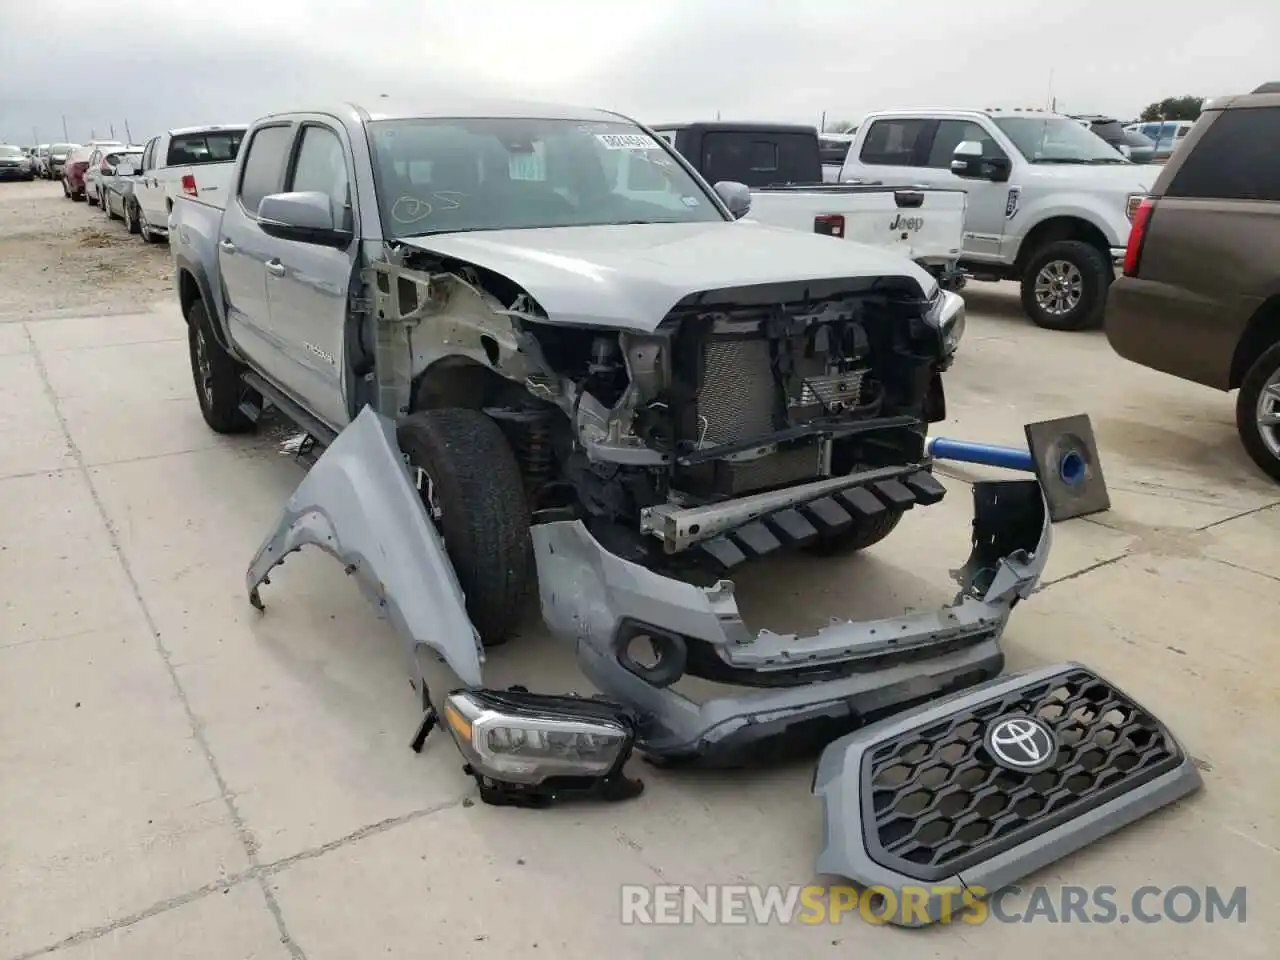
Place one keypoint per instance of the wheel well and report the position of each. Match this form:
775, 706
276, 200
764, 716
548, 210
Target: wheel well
188, 291
1061, 228
1262, 331
460, 382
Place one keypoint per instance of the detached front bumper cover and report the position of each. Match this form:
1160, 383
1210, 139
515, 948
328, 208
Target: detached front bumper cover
358, 503
815, 688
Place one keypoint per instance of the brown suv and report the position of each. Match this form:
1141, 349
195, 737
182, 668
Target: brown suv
1200, 295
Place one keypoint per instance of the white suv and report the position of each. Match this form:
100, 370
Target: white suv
1049, 202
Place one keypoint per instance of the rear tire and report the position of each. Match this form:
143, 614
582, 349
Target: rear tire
66, 191
1075, 262
483, 517
1251, 402
216, 374
131, 217
865, 532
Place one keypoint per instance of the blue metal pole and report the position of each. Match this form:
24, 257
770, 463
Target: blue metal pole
987, 454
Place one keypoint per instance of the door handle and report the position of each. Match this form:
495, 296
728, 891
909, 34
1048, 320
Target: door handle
275, 268
227, 245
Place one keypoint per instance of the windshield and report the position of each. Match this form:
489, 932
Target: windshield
450, 175
62, 149
6, 151
1057, 140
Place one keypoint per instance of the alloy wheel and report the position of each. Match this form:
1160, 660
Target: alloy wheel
1059, 287
205, 366
1268, 413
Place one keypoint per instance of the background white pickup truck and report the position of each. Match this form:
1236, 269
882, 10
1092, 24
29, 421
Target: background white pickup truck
192, 161
782, 166
1050, 202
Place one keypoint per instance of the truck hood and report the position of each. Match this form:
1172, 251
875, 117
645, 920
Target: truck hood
1119, 179
630, 276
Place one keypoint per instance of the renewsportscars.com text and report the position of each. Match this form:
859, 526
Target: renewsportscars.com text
747, 904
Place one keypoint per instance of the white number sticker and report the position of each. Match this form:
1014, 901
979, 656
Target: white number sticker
627, 141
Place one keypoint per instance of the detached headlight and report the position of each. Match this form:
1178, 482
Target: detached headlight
946, 313
530, 749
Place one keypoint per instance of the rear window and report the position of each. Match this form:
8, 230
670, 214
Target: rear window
892, 143
760, 160
213, 146
1234, 159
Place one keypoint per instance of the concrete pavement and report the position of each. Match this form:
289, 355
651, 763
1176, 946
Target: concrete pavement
182, 777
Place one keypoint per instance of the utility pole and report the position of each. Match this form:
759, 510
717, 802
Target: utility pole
112, 127
823, 127
1049, 96
66, 137
127, 135
35, 137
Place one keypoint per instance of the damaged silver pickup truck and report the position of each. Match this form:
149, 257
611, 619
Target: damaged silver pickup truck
524, 372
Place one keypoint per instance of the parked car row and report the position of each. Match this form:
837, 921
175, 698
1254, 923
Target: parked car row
138, 184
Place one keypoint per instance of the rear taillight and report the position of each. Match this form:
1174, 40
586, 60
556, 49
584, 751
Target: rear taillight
1138, 236
829, 224
189, 185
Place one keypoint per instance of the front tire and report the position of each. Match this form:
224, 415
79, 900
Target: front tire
131, 217
216, 373
865, 532
1258, 412
1064, 285
473, 490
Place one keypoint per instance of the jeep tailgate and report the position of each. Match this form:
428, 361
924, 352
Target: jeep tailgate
924, 224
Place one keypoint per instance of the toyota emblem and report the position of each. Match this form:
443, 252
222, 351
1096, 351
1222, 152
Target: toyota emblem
1021, 743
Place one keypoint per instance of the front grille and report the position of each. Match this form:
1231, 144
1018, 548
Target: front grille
737, 398
937, 802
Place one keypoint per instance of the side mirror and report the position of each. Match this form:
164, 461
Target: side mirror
967, 161
125, 170
305, 216
736, 196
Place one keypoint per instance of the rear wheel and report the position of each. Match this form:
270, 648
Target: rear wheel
66, 190
1064, 285
131, 221
144, 228
471, 487
1258, 412
217, 376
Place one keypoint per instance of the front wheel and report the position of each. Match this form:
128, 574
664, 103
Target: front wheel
66, 191
1258, 412
1064, 285
865, 532
471, 487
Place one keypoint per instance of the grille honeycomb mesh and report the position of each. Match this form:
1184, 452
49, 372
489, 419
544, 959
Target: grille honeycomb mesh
938, 802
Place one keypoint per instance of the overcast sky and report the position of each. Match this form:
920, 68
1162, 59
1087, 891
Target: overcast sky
164, 63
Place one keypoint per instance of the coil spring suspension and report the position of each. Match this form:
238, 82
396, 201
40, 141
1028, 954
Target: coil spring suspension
536, 456
529, 433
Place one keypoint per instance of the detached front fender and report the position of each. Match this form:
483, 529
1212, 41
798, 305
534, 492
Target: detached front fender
358, 504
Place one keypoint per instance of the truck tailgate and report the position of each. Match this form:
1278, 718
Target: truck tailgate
925, 224
210, 181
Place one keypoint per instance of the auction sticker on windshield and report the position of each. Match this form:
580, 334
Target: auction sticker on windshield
628, 141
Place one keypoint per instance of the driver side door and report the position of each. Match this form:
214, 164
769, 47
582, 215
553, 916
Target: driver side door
989, 206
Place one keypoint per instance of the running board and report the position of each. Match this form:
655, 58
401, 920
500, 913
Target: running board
955, 800
323, 434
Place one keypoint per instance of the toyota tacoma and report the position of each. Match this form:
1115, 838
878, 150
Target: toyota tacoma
524, 375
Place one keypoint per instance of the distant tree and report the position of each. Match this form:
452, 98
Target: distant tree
1174, 108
